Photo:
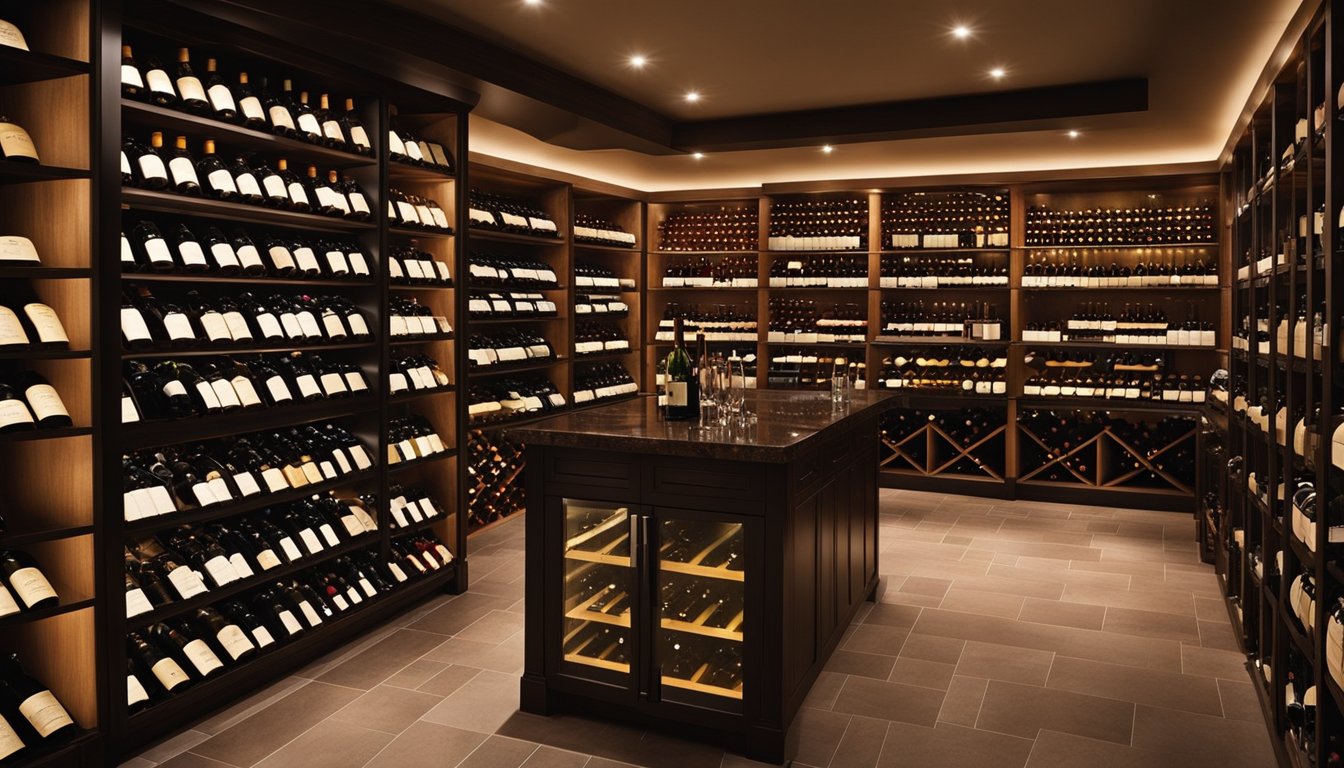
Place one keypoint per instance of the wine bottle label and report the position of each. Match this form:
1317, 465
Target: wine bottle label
340, 602
156, 249
17, 248
190, 88
406, 450
361, 457
12, 334
365, 585
358, 264
234, 642
677, 394
308, 124
333, 384
309, 326
267, 559
357, 325
31, 586
152, 167
308, 536
15, 142
269, 326
556, 399
397, 573
278, 389
275, 480
224, 255
309, 614
291, 324
281, 118
160, 501
262, 636
353, 596
45, 713
439, 217
208, 396
241, 566
8, 607
274, 186
444, 554
329, 535
359, 137
307, 386
14, 412
135, 693
336, 262
135, 505
333, 326
237, 326
341, 461
183, 171
358, 202
422, 213
222, 181
221, 98
187, 583
306, 259
45, 402
248, 186
201, 657
291, 624
329, 198
178, 326
298, 194
397, 327
168, 673
221, 570
436, 445
332, 130
415, 269
408, 213
290, 549
130, 75
251, 108
205, 495
417, 515
396, 382
424, 446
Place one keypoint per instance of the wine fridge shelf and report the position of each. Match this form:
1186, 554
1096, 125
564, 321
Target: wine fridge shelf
167, 202
432, 458
404, 172
233, 589
581, 612
690, 685
149, 434
419, 394
399, 341
297, 151
20, 539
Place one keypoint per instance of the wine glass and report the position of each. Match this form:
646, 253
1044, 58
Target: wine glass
710, 388
735, 393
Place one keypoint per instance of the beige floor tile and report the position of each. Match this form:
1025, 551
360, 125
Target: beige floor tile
1062, 614
951, 746
1172, 690
862, 743
1023, 710
387, 708
926, 674
1128, 621
983, 603
329, 744
1002, 662
932, 648
482, 704
961, 706
254, 737
429, 745
889, 701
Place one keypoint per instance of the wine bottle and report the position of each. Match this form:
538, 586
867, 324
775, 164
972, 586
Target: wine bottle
35, 702
680, 378
15, 143
221, 98
189, 88
44, 401
228, 636
165, 669
23, 577
182, 170
332, 134
297, 193
132, 84
309, 127
219, 181
14, 413
354, 128
277, 109
161, 91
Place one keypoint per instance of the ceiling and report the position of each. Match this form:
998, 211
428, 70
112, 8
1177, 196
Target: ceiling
1201, 58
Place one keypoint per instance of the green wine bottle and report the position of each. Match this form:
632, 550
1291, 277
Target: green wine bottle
680, 378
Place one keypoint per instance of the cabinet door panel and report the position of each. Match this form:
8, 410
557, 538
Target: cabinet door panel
599, 595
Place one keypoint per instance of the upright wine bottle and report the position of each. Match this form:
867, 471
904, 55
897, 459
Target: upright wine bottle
219, 181
680, 378
148, 161
132, 84
161, 91
249, 104
309, 127
354, 128
182, 170
221, 98
189, 87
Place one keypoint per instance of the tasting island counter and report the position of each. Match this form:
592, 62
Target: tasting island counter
697, 579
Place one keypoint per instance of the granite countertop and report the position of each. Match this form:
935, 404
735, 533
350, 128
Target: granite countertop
786, 423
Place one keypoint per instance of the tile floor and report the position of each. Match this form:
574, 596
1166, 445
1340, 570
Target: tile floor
1010, 634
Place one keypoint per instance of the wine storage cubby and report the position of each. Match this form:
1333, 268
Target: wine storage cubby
1153, 454
965, 443
494, 477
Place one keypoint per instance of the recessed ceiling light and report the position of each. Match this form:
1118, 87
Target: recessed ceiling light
698, 155
827, 149
997, 73
638, 61
692, 96
532, 2
1074, 134
961, 31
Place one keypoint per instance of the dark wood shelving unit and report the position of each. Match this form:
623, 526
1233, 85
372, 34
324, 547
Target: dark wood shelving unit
168, 202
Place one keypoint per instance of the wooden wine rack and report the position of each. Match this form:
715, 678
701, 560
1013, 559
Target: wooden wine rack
1101, 448
932, 458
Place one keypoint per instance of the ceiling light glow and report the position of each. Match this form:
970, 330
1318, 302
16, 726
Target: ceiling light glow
997, 73
698, 155
1074, 134
827, 149
692, 96
961, 31
638, 61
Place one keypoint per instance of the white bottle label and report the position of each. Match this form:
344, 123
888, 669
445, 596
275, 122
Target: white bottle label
270, 327
333, 384
308, 324
440, 218
133, 326
275, 480
677, 394
224, 255
248, 186
263, 637
333, 326
358, 202
11, 330
14, 412
279, 389
357, 325
298, 194
137, 603
8, 607
290, 549
267, 559
191, 253
15, 141
280, 257
251, 108
135, 693
222, 180
125, 164
225, 393
221, 98
187, 583
241, 566
221, 570
332, 130
178, 326
306, 259
308, 124
234, 641
280, 117
369, 591
329, 534
151, 167
352, 525
17, 248
169, 673
307, 386
309, 537
309, 614
292, 625
237, 326
406, 212
208, 396
157, 250
360, 456
397, 573
201, 657
160, 500
336, 263
183, 171
31, 586
274, 186
190, 89
340, 602
45, 402
45, 713
131, 76
358, 264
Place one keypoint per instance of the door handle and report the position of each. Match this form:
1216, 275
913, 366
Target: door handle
634, 541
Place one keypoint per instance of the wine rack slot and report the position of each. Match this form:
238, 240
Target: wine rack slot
63, 242
955, 443
1108, 451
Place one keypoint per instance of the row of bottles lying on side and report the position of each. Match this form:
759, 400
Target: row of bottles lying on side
810, 369
503, 213
1136, 225
965, 370
1072, 270
1166, 444
494, 477
804, 321
818, 225
1121, 376
1097, 323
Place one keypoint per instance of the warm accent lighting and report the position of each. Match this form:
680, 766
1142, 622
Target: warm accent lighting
698, 155
692, 96
961, 31
638, 61
533, 3
827, 149
997, 73
1074, 134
